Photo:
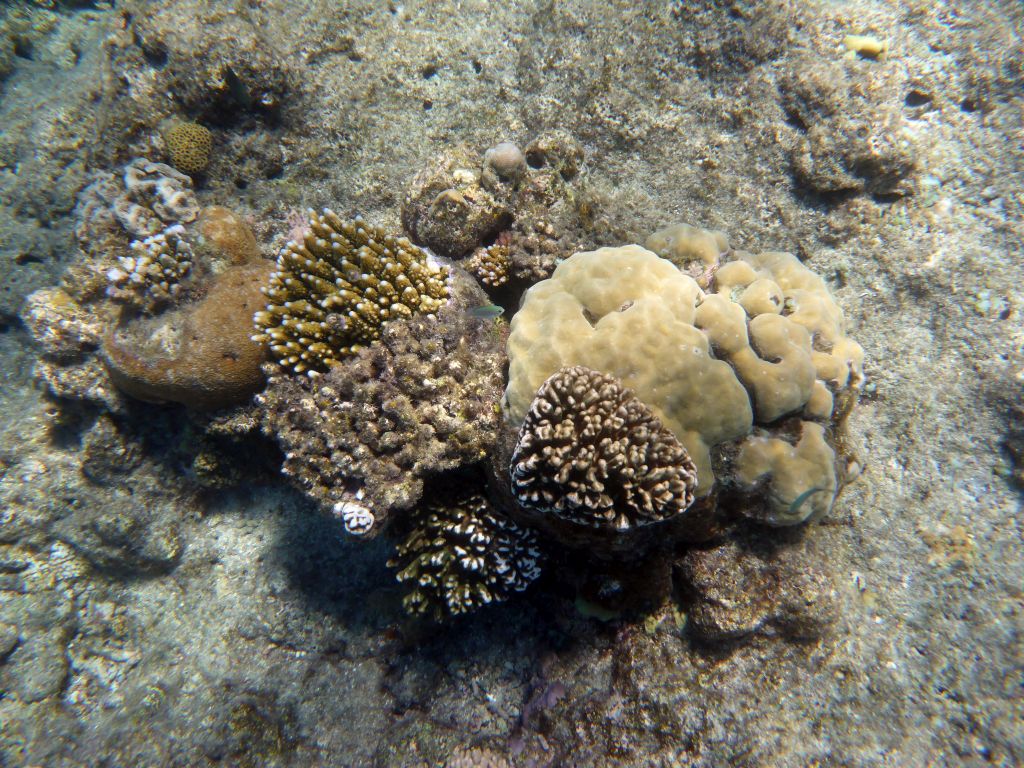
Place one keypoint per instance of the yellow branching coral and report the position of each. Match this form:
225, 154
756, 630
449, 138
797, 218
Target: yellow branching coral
332, 292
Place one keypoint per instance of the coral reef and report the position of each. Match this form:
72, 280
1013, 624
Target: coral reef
461, 555
332, 293
201, 354
153, 274
590, 452
764, 345
189, 146
420, 400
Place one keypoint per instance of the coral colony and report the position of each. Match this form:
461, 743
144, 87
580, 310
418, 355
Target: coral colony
654, 395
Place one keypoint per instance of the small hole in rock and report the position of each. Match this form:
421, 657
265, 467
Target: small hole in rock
535, 160
428, 104
429, 71
917, 99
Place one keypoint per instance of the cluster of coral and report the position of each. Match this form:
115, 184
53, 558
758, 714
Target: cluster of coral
748, 374
509, 215
652, 393
420, 400
159, 304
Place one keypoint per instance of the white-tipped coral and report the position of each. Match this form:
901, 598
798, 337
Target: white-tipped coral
333, 291
592, 453
152, 274
461, 555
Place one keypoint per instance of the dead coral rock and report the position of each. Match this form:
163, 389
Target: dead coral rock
227, 236
420, 400
853, 134
476, 757
200, 355
447, 208
221, 68
61, 327
738, 591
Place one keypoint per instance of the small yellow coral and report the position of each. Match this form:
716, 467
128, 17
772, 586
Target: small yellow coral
189, 146
333, 291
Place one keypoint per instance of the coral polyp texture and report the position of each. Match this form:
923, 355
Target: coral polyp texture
759, 358
592, 453
490, 265
421, 400
189, 145
462, 555
332, 293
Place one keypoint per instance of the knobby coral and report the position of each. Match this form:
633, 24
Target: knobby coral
760, 353
153, 274
332, 292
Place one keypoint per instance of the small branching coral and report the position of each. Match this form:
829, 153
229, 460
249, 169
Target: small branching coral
153, 273
461, 555
333, 291
591, 452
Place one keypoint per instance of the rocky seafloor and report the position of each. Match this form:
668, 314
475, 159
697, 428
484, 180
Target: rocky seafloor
151, 617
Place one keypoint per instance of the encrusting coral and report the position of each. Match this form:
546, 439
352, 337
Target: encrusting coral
332, 292
201, 354
590, 452
461, 555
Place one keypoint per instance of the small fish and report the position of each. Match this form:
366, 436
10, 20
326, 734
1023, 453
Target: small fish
799, 500
487, 311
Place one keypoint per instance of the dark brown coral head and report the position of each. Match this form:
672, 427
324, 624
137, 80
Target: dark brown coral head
590, 452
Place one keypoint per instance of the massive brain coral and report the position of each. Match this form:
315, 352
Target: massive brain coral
750, 375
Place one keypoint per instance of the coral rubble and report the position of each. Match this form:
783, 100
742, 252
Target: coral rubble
332, 293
